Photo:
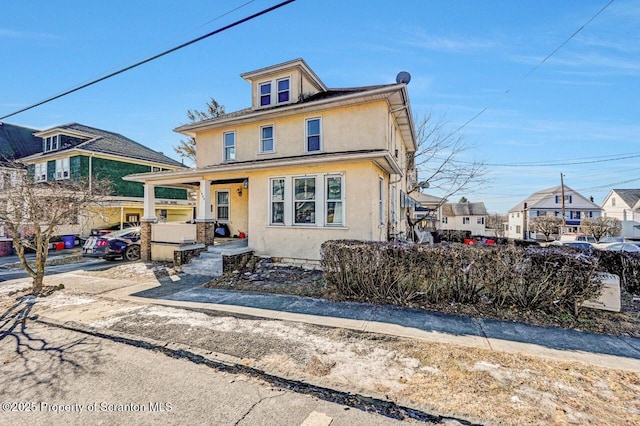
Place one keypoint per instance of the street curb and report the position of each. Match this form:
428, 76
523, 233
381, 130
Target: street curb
227, 363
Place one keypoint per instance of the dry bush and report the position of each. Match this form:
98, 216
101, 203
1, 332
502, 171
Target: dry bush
550, 280
625, 265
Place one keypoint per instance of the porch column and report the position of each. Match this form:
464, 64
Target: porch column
149, 217
205, 220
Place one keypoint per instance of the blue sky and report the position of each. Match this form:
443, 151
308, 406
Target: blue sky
579, 106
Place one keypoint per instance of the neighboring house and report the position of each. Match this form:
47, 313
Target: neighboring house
15, 142
429, 208
304, 164
549, 202
471, 217
74, 151
624, 204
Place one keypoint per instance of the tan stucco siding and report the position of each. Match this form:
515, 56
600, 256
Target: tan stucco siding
238, 206
361, 219
360, 127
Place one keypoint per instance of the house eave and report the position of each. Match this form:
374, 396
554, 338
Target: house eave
382, 158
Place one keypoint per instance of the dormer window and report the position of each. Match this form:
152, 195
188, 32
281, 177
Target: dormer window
265, 94
273, 93
283, 90
51, 143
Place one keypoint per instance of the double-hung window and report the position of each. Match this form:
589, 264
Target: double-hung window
465, 220
51, 143
304, 200
222, 205
334, 200
283, 90
266, 139
313, 137
62, 168
265, 94
229, 146
277, 201
40, 174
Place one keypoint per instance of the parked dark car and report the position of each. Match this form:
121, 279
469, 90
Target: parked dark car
118, 244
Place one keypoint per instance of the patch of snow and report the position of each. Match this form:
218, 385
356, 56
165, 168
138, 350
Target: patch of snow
60, 300
10, 288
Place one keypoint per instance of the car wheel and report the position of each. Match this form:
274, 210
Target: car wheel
132, 252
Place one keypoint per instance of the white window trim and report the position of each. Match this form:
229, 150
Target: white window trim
273, 92
224, 146
320, 202
380, 201
40, 175
273, 139
63, 168
283, 201
341, 200
306, 135
228, 205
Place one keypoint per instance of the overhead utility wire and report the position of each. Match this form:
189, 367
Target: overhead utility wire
137, 64
532, 70
548, 164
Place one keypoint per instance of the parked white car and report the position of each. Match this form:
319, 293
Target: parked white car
607, 241
627, 247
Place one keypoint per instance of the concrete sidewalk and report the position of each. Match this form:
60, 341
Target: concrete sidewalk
558, 343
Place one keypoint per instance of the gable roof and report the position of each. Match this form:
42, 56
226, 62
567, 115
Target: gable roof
538, 197
629, 196
17, 142
105, 142
464, 209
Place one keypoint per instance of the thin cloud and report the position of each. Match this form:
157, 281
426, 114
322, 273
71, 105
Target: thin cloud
450, 44
6, 33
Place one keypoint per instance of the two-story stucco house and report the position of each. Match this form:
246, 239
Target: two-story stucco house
549, 202
73, 151
302, 165
624, 204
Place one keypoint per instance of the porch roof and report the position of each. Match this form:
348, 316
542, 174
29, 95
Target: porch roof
191, 176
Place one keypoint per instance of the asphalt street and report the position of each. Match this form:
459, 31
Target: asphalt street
57, 376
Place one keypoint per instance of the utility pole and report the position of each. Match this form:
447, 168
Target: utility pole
562, 190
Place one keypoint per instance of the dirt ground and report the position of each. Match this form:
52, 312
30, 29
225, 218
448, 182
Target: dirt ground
269, 278
480, 385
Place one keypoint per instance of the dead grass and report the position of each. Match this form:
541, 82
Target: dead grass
519, 389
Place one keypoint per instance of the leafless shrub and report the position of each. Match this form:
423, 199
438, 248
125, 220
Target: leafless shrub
530, 278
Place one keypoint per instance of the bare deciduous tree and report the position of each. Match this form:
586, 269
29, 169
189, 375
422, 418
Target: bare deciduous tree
546, 225
187, 148
437, 159
32, 211
496, 222
601, 226
437, 163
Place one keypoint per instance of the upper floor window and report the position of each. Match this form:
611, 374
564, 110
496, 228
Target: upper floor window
283, 90
51, 143
445, 219
313, 139
40, 174
278, 92
265, 94
613, 201
266, 139
229, 146
465, 220
480, 220
62, 168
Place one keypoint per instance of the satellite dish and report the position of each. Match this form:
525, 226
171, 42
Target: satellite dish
403, 77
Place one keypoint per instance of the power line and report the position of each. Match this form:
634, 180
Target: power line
159, 55
533, 69
548, 163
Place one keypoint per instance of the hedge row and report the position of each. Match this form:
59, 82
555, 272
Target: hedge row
547, 279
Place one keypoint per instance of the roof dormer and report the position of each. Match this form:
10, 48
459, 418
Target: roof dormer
283, 84
56, 139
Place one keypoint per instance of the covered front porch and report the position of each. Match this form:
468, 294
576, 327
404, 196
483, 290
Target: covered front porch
221, 208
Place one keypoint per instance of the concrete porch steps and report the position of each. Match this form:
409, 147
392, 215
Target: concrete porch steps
210, 262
